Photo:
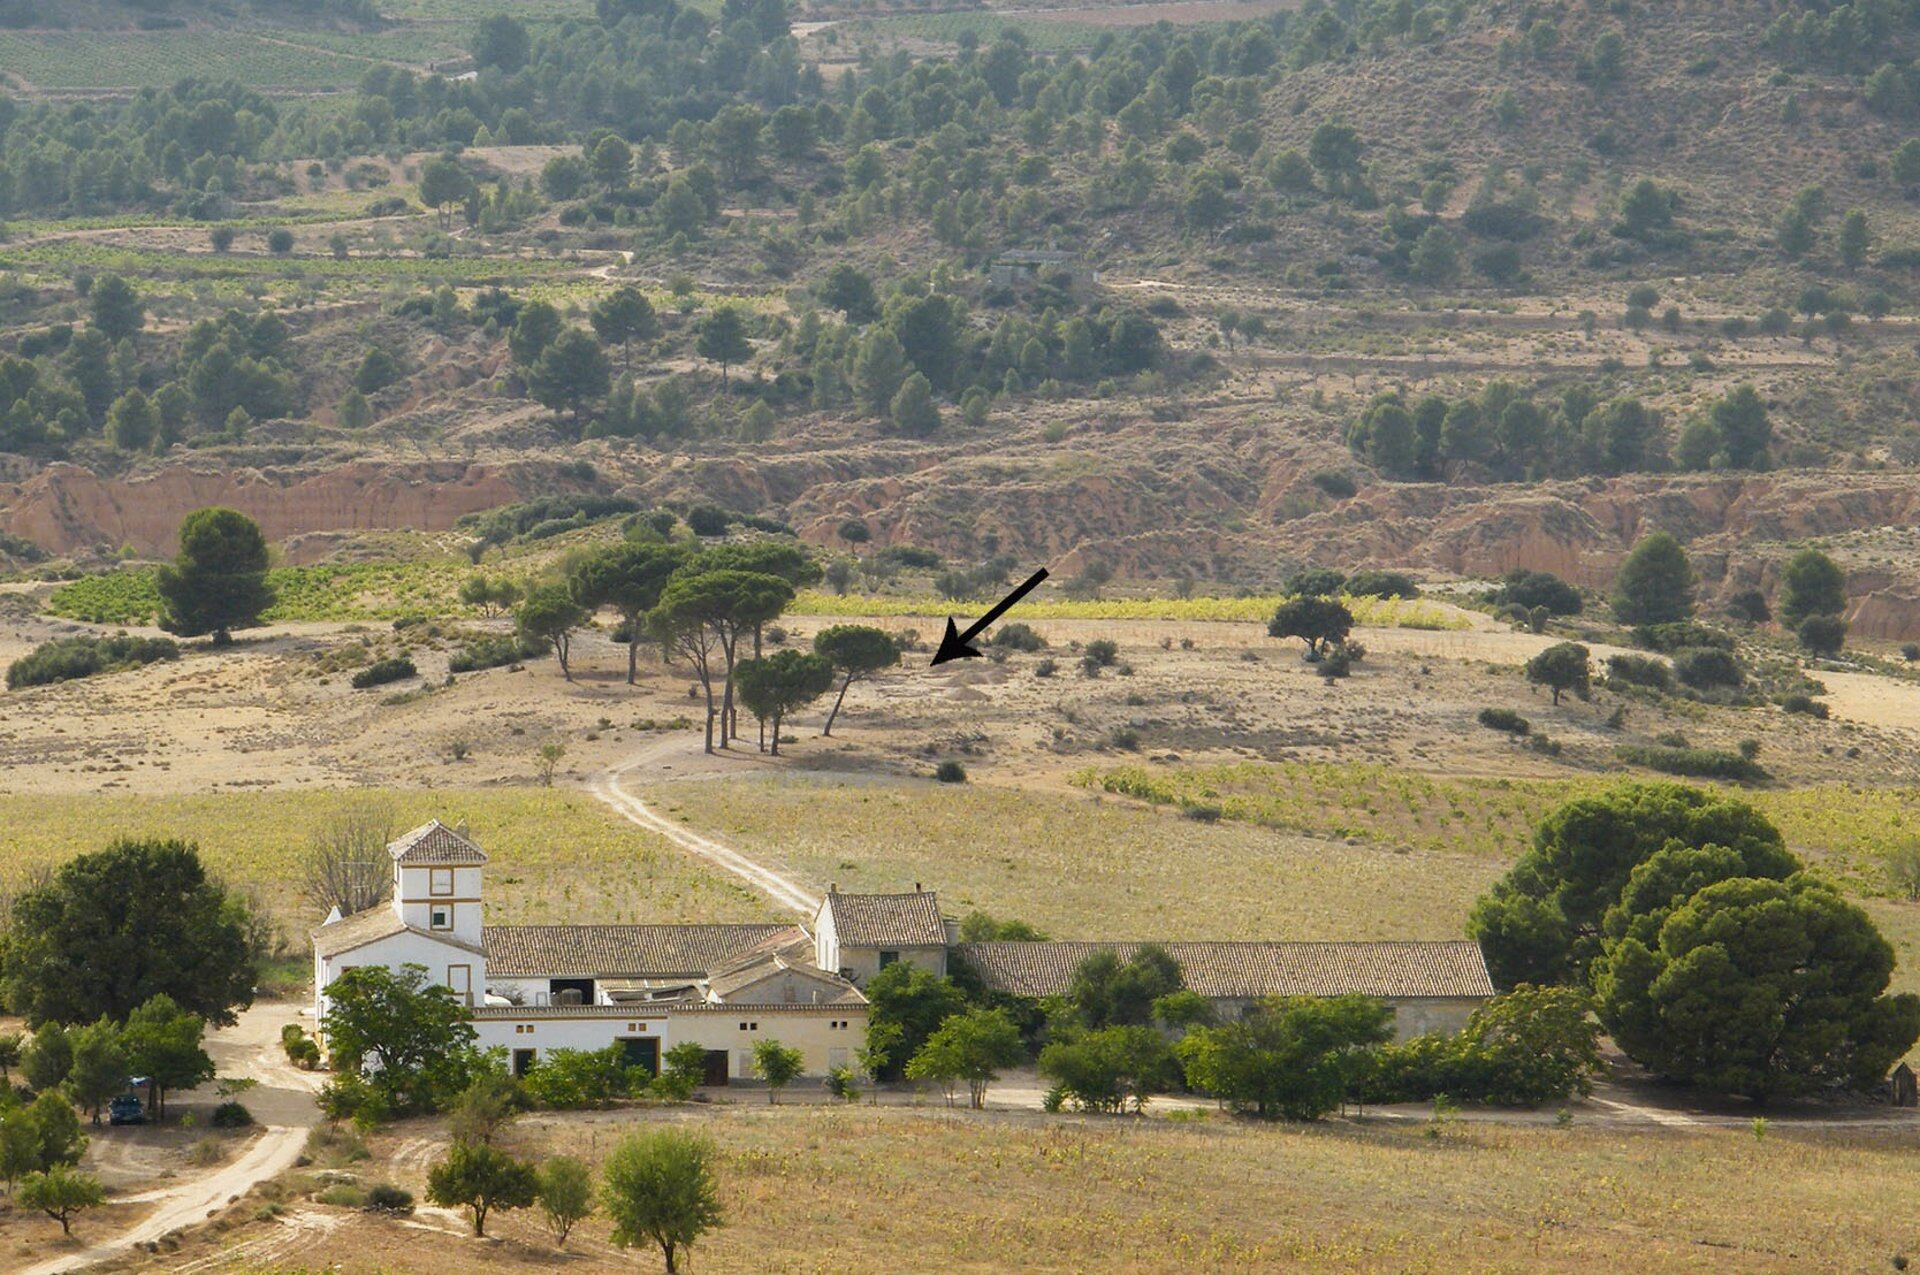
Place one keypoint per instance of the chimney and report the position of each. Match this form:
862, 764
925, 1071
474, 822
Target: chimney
916, 887
833, 887
460, 829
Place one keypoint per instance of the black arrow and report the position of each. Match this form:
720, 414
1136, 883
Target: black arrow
954, 645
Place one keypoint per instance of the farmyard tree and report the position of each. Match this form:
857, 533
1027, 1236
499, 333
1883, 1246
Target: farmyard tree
622, 317
703, 616
1811, 584
113, 929
659, 1187
570, 375
721, 337
548, 616
1564, 666
218, 581
61, 1193
1763, 988
1317, 621
408, 1033
856, 652
773, 686
481, 1179
972, 1048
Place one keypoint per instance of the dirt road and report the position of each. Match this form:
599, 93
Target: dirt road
283, 1099
609, 787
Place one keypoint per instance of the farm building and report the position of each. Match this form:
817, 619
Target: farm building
535, 988
1025, 265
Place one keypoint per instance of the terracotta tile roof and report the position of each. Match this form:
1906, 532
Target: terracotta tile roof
887, 920
619, 951
435, 844
370, 926
1237, 970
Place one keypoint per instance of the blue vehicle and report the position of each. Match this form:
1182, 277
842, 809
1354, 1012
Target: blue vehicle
126, 1109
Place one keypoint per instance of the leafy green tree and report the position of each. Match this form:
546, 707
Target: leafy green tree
1530, 1046
19, 1143
48, 1056
1436, 257
1822, 635
1112, 1068
1565, 666
548, 616
1319, 622
776, 685
611, 162
163, 1043
500, 43
1763, 988
849, 290
1647, 209
1106, 991
907, 1005
703, 614
443, 184
879, 370
377, 370
132, 422
61, 1193
570, 374
1297, 1056
734, 136
1856, 237
534, 329
354, 412
1542, 922
777, 1064
660, 1187
721, 337
622, 317
481, 1179
113, 929
118, 312
218, 580
564, 1188
1206, 206
856, 652
1745, 432
1811, 584
628, 577
793, 131
12, 1045
913, 411
279, 241
1334, 151
489, 1103
973, 1047
407, 1031
1655, 583
100, 1066
563, 177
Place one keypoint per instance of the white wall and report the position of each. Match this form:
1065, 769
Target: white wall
824, 1038
393, 951
414, 896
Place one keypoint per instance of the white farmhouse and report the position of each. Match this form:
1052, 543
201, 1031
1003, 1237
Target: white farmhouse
535, 988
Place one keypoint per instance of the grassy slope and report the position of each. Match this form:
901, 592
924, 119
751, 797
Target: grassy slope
557, 856
893, 1190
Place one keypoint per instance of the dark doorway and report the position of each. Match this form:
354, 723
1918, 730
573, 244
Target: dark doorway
522, 1061
581, 987
642, 1051
716, 1069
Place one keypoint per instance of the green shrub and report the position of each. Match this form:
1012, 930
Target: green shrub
231, 1115
1806, 705
1681, 635
381, 672
1382, 584
1640, 670
493, 652
950, 772
1504, 719
1018, 636
64, 659
384, 1197
1707, 667
1335, 483
1696, 763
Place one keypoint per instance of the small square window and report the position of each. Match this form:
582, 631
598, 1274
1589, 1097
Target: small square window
743, 1027
442, 918
888, 958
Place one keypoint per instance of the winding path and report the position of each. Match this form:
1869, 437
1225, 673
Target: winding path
607, 787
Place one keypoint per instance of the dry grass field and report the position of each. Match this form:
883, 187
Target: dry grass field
858, 1189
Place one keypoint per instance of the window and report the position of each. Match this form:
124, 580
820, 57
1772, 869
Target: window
442, 916
440, 880
887, 958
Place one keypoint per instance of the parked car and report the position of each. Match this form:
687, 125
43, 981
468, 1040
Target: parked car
126, 1109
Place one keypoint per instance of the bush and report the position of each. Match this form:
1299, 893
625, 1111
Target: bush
231, 1115
1530, 589
1640, 670
950, 772
1680, 635
384, 1197
64, 659
708, 521
1382, 584
1335, 483
493, 652
1704, 668
1696, 763
381, 672
1504, 719
1806, 705
1018, 636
